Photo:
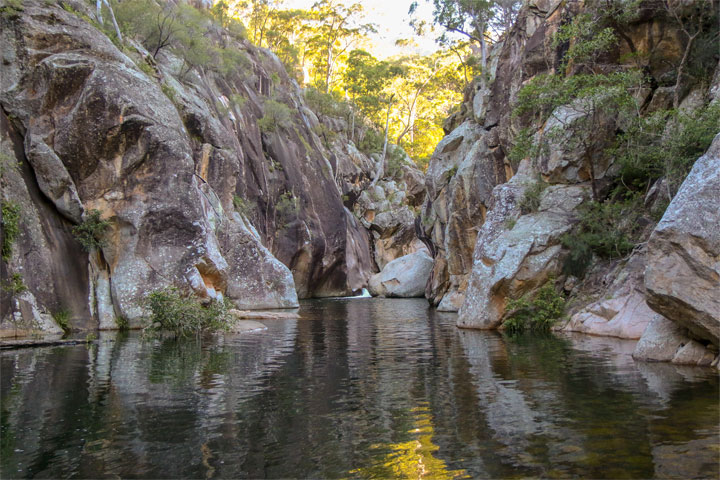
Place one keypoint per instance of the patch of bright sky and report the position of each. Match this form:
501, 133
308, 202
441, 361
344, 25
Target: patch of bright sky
392, 22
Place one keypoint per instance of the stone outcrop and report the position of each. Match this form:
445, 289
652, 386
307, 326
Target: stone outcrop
683, 271
516, 257
100, 134
403, 277
666, 341
619, 309
516, 249
195, 193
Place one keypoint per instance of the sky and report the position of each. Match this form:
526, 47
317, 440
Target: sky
392, 22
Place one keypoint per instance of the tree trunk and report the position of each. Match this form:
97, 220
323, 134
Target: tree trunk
381, 167
328, 72
112, 17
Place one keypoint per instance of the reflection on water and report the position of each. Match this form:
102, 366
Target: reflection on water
362, 388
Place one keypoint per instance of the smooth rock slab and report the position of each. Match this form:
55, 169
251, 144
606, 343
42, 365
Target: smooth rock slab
403, 277
683, 267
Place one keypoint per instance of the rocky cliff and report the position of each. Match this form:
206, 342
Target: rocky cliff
193, 192
491, 248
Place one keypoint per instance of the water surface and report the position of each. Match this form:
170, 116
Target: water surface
363, 388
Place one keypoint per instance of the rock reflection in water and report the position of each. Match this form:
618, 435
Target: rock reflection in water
355, 388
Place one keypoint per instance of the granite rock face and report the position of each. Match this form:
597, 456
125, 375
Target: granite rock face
196, 195
511, 260
99, 134
683, 271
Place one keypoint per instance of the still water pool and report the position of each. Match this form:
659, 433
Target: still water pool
362, 388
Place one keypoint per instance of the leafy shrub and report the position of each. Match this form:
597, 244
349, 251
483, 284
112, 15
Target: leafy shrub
326, 104
666, 144
451, 173
15, 284
62, 318
532, 197
243, 207
122, 323
606, 229
169, 91
537, 313
238, 100
524, 146
233, 61
327, 134
184, 315
371, 142
12, 8
7, 161
287, 205
395, 161
11, 227
276, 115
90, 232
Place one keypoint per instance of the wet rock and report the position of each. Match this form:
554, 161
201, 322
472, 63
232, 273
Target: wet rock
623, 317
404, 277
666, 341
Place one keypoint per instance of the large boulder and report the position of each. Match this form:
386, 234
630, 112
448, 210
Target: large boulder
666, 341
404, 277
620, 309
516, 257
465, 167
683, 272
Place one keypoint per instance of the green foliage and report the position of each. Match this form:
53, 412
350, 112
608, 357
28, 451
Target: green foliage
62, 318
530, 203
244, 207
276, 115
326, 103
395, 161
510, 222
607, 229
524, 146
90, 337
11, 227
146, 68
665, 144
238, 100
12, 9
371, 142
233, 61
183, 315
287, 206
91, 231
538, 313
451, 173
585, 40
122, 323
15, 284
7, 161
169, 91
326, 134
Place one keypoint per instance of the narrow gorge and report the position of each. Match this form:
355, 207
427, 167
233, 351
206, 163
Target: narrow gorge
572, 206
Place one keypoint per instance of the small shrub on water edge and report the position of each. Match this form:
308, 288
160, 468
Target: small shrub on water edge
62, 318
537, 313
184, 315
